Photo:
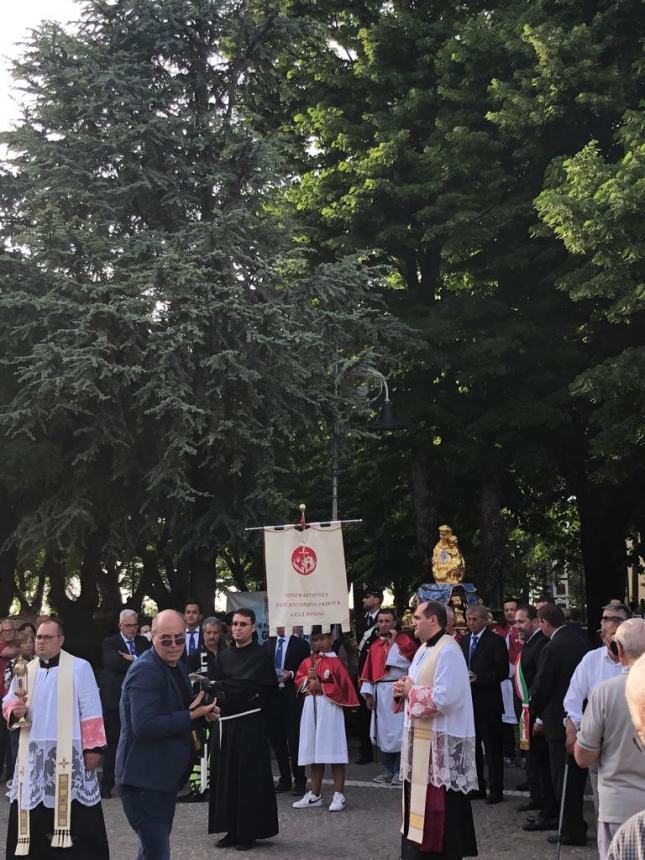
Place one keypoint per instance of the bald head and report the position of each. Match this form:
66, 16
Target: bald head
635, 694
169, 636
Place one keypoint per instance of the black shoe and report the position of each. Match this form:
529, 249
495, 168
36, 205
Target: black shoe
566, 840
495, 798
245, 846
540, 824
282, 786
193, 797
226, 841
299, 789
364, 758
476, 795
106, 791
528, 807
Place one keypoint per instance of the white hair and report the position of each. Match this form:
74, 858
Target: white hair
635, 691
126, 613
631, 635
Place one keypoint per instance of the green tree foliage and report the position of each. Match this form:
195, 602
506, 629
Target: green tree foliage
431, 127
163, 340
595, 206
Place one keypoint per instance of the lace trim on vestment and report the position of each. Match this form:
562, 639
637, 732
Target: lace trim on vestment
40, 785
452, 761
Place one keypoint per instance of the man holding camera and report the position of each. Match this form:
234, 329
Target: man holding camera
155, 751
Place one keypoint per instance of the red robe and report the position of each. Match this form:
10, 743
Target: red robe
334, 679
375, 665
512, 636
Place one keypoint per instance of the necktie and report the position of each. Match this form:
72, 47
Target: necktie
473, 646
278, 653
131, 648
192, 647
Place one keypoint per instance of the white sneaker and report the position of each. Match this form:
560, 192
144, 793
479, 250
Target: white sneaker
395, 780
310, 799
338, 802
383, 778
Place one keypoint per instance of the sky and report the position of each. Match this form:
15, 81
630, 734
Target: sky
17, 18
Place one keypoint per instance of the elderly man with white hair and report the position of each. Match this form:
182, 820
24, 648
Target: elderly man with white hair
118, 652
629, 841
606, 737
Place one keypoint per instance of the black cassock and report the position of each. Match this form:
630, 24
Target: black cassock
89, 839
242, 797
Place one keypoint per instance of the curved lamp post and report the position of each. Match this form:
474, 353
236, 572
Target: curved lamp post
386, 421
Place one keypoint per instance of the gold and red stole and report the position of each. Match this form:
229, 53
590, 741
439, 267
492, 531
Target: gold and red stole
62, 837
422, 745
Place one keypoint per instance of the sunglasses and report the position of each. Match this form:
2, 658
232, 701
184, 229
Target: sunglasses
168, 641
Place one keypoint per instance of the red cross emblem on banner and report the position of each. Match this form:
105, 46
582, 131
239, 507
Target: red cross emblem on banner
304, 560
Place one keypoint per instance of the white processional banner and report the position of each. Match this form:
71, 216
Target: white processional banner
306, 579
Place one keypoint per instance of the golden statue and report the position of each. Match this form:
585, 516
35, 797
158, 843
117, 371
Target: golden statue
459, 608
448, 563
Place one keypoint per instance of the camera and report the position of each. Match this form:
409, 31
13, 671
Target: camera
199, 683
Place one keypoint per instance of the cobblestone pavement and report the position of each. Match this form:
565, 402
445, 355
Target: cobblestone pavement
368, 828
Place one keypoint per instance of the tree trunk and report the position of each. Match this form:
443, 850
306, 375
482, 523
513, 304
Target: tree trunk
425, 511
203, 578
490, 564
8, 551
603, 531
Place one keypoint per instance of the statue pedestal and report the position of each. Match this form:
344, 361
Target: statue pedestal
460, 595
443, 591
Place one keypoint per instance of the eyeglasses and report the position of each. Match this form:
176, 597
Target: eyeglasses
611, 619
45, 637
241, 624
168, 641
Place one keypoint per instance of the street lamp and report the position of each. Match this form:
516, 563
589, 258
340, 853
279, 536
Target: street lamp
386, 421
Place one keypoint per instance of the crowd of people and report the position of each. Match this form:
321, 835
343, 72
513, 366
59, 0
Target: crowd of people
445, 710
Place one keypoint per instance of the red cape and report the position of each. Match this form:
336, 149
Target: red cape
512, 636
374, 668
334, 678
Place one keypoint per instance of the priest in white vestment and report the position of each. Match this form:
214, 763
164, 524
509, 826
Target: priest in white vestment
388, 659
438, 750
55, 800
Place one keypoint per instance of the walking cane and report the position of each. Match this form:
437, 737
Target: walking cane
562, 801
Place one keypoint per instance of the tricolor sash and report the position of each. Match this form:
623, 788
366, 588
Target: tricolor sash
524, 695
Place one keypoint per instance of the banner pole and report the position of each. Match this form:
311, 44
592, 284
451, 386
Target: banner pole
297, 525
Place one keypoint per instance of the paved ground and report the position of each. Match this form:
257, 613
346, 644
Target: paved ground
367, 829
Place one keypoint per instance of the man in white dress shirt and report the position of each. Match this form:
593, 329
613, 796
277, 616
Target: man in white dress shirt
596, 666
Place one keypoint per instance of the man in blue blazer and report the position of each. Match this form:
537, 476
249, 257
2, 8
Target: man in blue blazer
155, 747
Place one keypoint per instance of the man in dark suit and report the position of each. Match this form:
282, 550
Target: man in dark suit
538, 774
285, 709
366, 634
559, 659
487, 658
118, 652
193, 615
155, 749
